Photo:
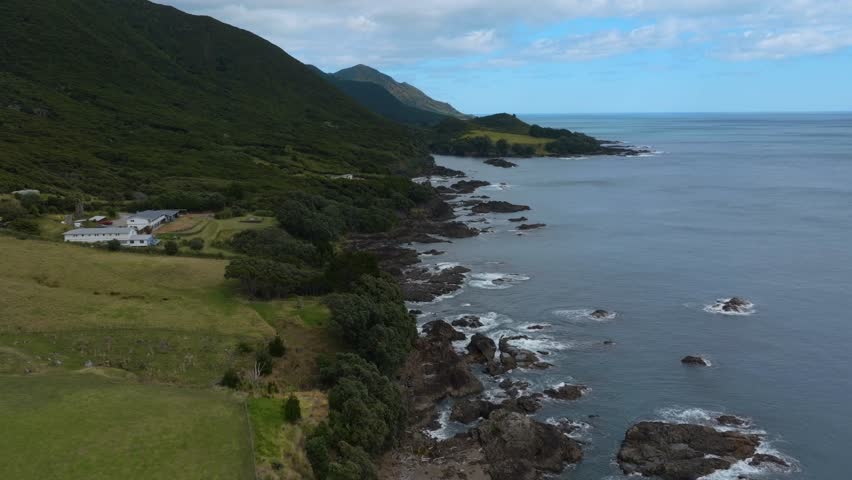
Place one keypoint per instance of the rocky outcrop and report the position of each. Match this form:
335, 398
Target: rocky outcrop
467, 321
498, 206
730, 421
441, 330
481, 348
599, 313
524, 404
762, 458
499, 162
440, 171
567, 392
531, 226
694, 360
512, 357
682, 451
469, 410
425, 285
434, 371
518, 219
468, 186
736, 304
517, 447
513, 388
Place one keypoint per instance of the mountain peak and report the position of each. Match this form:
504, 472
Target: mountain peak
404, 92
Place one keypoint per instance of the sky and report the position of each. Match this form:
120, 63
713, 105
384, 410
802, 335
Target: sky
575, 56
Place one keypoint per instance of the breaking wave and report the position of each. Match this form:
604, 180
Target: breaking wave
495, 281
583, 315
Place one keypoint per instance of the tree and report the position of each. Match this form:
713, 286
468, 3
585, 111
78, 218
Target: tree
502, 147
292, 409
112, 213
267, 278
276, 347
263, 362
230, 379
25, 225
114, 245
196, 244
171, 247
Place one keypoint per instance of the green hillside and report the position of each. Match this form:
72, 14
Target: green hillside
115, 96
375, 98
406, 93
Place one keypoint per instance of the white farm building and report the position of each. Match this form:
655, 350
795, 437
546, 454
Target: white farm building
151, 218
127, 236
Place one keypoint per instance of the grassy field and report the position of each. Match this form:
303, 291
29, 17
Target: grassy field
87, 426
512, 138
277, 441
166, 319
209, 229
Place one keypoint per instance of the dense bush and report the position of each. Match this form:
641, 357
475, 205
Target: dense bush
113, 245
274, 244
171, 247
230, 379
292, 409
373, 320
264, 362
25, 225
267, 278
276, 347
196, 244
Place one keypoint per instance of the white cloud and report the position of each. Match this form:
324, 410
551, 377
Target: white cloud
477, 41
793, 43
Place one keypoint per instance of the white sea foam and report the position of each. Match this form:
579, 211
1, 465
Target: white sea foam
700, 416
443, 432
581, 432
718, 308
583, 315
497, 186
495, 281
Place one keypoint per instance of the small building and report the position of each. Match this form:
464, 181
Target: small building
26, 191
127, 236
151, 218
97, 218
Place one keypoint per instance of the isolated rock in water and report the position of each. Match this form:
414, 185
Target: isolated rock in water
736, 304
567, 392
499, 162
518, 219
468, 321
512, 356
535, 327
609, 342
481, 348
468, 186
762, 458
599, 314
513, 388
517, 447
730, 421
682, 451
694, 360
531, 226
498, 206
442, 330
433, 252
469, 410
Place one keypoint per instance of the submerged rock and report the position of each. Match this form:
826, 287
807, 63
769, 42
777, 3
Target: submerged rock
499, 162
682, 451
518, 219
498, 206
531, 226
762, 458
567, 392
468, 186
694, 360
468, 321
730, 420
599, 314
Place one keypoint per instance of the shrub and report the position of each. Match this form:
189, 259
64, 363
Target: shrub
25, 225
196, 244
244, 347
230, 379
292, 409
171, 247
264, 362
113, 245
276, 347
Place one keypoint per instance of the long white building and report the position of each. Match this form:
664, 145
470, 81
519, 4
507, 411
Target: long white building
127, 236
151, 218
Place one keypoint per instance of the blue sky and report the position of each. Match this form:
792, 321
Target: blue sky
567, 56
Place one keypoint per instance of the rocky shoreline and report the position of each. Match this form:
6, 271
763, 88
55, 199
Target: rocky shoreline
503, 442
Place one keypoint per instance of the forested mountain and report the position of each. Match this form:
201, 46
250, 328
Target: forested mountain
111, 97
407, 94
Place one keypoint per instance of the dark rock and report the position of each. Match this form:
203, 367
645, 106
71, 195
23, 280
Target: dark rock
513, 388
730, 421
468, 186
694, 360
498, 206
517, 447
442, 330
469, 410
531, 226
567, 392
468, 321
415, 312
535, 327
518, 219
761, 458
524, 404
481, 348
433, 252
499, 162
440, 171
609, 342
682, 451
736, 304
512, 357
599, 314
568, 426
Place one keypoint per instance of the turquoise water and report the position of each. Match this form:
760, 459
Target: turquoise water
758, 206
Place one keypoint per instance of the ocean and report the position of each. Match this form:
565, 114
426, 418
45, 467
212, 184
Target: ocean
751, 205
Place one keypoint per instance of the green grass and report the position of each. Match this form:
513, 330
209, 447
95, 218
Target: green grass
214, 231
511, 138
87, 426
278, 441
